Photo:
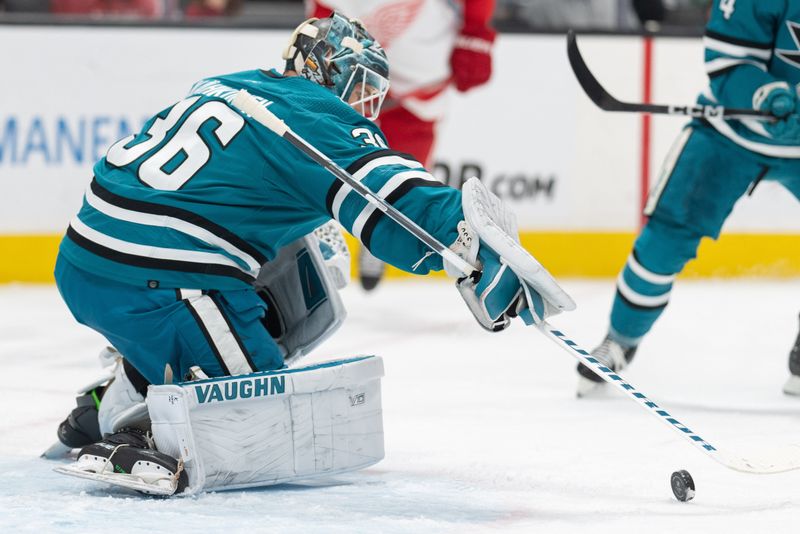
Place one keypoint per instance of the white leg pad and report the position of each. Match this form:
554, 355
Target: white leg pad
270, 428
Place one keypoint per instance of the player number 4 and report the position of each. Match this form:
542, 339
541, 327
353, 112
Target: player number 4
727, 7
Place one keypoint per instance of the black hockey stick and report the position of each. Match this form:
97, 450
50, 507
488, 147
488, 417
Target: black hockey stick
606, 102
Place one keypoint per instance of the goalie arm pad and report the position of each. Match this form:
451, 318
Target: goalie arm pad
511, 283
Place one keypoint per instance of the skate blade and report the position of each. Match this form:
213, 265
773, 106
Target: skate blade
162, 487
792, 386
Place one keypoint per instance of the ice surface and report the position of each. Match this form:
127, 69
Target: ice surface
483, 432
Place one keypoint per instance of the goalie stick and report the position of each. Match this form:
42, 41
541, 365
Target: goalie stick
787, 460
606, 102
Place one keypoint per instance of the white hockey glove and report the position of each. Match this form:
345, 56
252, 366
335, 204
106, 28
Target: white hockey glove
511, 282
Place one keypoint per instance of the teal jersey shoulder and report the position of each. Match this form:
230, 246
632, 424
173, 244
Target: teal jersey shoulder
748, 44
204, 195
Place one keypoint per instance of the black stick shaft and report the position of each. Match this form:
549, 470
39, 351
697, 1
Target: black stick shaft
605, 101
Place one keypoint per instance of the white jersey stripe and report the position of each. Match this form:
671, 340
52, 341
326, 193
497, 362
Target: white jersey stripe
386, 160
639, 299
775, 151
338, 200
665, 173
361, 173
735, 50
148, 251
165, 221
649, 276
722, 63
393, 183
186, 294
215, 325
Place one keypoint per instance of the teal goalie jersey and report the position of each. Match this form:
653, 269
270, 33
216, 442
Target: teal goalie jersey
748, 44
204, 195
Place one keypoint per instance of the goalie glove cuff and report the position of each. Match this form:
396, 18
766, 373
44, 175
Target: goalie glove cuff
466, 246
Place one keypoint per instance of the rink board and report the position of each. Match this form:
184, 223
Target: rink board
573, 174
565, 254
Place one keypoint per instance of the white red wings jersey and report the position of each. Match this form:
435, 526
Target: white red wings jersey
418, 36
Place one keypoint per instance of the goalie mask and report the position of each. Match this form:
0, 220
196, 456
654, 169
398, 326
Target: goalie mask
341, 55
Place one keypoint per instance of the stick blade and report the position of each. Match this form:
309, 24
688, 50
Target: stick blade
776, 460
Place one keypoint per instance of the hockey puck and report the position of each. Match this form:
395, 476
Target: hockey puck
682, 485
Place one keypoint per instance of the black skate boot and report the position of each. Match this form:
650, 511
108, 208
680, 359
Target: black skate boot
370, 269
128, 458
792, 386
81, 427
613, 355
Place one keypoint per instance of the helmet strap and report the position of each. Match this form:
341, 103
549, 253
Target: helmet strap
307, 29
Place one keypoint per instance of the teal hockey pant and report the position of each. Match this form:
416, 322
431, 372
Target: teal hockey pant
220, 331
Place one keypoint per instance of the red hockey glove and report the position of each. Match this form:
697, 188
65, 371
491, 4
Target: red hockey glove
471, 61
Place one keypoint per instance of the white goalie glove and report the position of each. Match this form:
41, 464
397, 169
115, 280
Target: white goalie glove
511, 282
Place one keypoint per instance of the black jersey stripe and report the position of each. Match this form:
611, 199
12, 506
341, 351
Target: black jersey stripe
329, 198
156, 263
354, 167
737, 41
178, 213
733, 63
362, 161
391, 198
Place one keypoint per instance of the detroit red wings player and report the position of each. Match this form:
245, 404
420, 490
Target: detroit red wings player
431, 45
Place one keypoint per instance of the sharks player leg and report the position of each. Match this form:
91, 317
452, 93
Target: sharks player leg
792, 386
161, 333
790, 178
111, 427
687, 203
294, 307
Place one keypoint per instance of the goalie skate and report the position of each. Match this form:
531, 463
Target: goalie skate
81, 427
127, 459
